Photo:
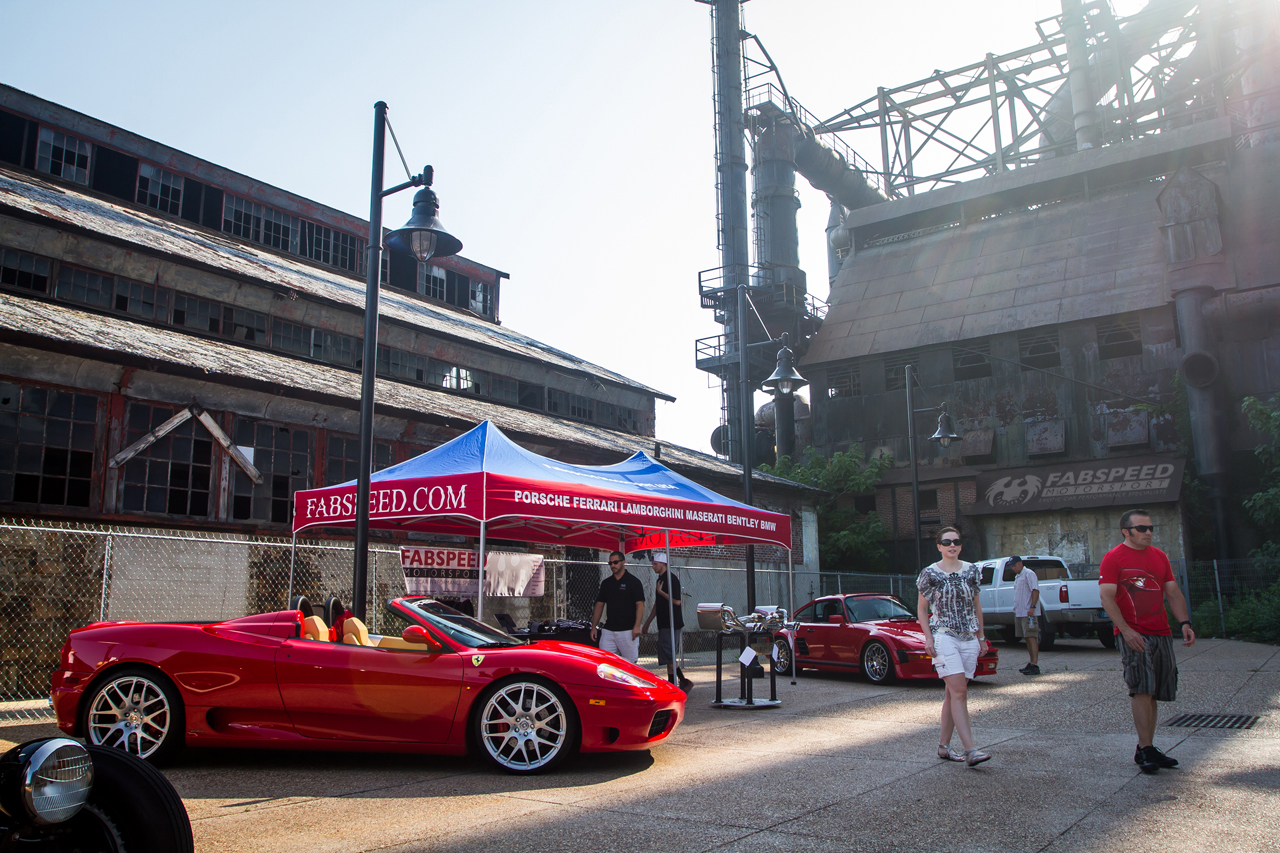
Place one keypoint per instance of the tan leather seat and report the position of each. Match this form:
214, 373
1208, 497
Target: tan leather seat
313, 628
354, 632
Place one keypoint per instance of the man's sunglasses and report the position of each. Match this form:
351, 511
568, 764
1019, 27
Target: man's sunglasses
949, 543
614, 562
1142, 528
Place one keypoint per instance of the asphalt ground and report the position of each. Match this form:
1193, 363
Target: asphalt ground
842, 765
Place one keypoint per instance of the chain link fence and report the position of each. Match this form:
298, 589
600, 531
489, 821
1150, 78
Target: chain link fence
55, 577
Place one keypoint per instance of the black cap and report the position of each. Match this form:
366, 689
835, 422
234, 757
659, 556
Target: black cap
1015, 559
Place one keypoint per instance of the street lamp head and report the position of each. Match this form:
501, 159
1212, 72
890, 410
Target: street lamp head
946, 429
785, 378
423, 236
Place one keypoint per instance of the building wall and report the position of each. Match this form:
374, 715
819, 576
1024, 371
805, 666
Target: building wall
1079, 536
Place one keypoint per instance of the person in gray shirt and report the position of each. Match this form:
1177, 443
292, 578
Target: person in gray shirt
1026, 611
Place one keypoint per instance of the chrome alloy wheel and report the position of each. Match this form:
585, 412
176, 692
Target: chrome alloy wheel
130, 713
524, 726
875, 663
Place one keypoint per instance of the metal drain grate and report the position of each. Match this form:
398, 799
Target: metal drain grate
33, 714
1213, 721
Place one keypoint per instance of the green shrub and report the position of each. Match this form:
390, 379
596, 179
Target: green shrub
1252, 617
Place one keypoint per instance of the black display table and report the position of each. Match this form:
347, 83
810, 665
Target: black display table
746, 700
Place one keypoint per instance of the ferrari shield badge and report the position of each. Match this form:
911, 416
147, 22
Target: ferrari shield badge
476, 659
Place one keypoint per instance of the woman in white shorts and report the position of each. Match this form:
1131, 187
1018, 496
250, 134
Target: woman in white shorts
953, 637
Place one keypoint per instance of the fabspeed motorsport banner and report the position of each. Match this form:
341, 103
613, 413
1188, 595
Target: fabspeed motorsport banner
1131, 481
455, 572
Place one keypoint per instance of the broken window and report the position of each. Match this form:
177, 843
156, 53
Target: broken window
442, 375
142, 300
431, 281
1039, 349
466, 379
175, 473
481, 300
160, 189
972, 362
240, 324
929, 502
895, 371
197, 314
280, 230
844, 382
47, 443
63, 155
1119, 337
457, 289
532, 396
115, 174
342, 462
324, 244
557, 401
282, 455
24, 271
13, 136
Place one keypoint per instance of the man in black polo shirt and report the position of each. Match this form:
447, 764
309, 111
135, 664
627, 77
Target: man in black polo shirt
622, 593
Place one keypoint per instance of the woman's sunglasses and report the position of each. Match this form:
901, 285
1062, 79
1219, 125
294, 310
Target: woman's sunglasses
950, 543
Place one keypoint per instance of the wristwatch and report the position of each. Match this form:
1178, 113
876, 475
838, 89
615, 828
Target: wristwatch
1185, 622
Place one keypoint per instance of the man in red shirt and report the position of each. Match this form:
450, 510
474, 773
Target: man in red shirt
1133, 582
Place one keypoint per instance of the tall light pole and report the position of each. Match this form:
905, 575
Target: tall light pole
424, 237
945, 434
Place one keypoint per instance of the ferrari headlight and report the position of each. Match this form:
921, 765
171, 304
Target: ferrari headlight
609, 672
45, 781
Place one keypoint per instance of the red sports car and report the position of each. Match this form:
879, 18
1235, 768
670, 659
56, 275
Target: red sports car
876, 634
289, 680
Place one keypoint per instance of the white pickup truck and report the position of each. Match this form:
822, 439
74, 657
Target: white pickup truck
1069, 607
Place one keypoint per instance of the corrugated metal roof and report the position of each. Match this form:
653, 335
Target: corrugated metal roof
175, 351
153, 233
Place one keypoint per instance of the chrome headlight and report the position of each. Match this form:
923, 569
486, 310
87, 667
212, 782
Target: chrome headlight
45, 781
609, 672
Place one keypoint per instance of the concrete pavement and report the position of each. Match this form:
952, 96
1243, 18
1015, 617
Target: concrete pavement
843, 765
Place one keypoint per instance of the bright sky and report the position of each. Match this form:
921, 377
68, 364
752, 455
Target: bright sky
572, 139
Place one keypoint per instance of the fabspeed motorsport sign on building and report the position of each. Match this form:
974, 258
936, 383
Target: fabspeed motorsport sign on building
1131, 481
456, 572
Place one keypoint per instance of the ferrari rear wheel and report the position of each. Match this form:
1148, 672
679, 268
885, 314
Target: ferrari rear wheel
138, 711
527, 727
877, 665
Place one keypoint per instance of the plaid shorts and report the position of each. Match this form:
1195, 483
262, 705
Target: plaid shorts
1153, 671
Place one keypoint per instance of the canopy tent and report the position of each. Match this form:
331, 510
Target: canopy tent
482, 483
482, 477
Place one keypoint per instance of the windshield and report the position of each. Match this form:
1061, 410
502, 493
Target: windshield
875, 609
459, 627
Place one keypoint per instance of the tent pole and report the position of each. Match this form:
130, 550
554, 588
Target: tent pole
671, 604
791, 603
293, 556
480, 587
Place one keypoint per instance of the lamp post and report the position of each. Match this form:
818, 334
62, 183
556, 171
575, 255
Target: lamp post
944, 435
424, 237
785, 381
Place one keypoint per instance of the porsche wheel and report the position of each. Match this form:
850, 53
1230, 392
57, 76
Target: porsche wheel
135, 710
783, 663
877, 665
526, 727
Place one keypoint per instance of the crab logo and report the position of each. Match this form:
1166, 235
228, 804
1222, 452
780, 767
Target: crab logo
1007, 491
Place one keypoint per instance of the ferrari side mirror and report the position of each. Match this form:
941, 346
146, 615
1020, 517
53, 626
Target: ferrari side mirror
418, 635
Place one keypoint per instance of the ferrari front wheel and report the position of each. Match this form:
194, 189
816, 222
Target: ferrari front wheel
527, 727
135, 710
782, 656
877, 665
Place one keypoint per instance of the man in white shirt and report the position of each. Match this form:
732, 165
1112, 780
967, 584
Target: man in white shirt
1026, 611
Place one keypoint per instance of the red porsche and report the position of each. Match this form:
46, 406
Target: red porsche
876, 635
289, 680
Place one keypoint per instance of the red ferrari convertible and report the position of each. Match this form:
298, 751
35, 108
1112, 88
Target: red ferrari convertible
875, 634
291, 680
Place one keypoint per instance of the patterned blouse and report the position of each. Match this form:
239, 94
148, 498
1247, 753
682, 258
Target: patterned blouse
950, 596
